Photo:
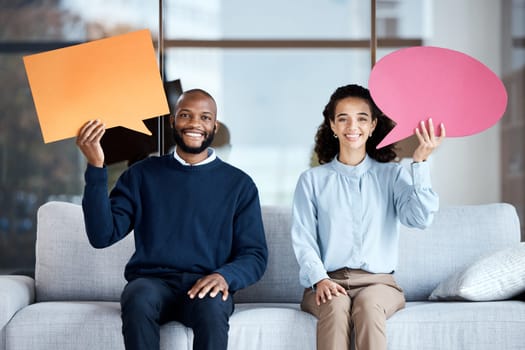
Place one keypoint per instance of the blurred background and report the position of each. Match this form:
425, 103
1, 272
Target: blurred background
271, 66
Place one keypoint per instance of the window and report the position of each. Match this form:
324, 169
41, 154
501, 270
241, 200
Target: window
270, 65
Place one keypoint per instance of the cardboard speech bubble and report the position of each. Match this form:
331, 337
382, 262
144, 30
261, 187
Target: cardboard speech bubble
116, 80
417, 83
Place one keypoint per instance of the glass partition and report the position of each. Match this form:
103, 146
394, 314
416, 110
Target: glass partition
32, 172
271, 66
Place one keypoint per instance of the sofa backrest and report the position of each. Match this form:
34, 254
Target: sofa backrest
68, 268
458, 236
280, 282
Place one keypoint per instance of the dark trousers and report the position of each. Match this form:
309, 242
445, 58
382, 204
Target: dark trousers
149, 302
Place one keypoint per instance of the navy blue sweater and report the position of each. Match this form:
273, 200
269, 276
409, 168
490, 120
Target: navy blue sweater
199, 219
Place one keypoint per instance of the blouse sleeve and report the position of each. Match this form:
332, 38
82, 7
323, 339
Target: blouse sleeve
414, 199
304, 234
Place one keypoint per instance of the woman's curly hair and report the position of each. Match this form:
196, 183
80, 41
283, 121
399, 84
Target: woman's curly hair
327, 146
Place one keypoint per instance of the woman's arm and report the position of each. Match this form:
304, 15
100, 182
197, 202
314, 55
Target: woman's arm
304, 234
414, 198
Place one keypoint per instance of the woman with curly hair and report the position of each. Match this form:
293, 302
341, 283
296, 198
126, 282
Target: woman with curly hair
346, 216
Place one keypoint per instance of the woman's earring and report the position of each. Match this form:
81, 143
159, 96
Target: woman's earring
370, 135
335, 136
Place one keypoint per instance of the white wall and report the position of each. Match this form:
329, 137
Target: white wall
467, 170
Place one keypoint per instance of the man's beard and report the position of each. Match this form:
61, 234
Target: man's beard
208, 139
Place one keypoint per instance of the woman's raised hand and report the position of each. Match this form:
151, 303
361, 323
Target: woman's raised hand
428, 141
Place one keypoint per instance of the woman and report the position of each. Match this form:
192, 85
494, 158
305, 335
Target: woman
346, 216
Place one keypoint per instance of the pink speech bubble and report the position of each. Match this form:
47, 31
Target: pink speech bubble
417, 83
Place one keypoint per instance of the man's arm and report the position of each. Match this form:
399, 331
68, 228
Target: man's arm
101, 227
249, 251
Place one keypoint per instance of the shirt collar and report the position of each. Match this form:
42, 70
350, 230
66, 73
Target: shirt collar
352, 170
211, 157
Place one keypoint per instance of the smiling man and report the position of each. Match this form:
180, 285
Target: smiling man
194, 125
197, 225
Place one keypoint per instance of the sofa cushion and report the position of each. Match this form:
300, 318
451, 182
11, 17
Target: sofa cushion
273, 326
457, 238
457, 325
498, 276
97, 325
280, 282
66, 325
79, 326
67, 266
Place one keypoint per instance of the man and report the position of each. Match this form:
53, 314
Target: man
197, 224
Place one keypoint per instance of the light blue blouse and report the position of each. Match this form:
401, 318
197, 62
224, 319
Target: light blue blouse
349, 216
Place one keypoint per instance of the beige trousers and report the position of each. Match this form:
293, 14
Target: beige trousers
372, 298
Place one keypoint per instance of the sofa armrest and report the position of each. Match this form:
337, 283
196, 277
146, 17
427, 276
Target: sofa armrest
16, 292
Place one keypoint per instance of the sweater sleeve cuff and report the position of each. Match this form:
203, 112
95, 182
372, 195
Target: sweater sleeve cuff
421, 175
95, 175
229, 277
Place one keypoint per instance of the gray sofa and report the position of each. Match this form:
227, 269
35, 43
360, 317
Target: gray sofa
73, 301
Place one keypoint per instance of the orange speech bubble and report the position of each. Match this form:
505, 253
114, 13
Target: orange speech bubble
115, 79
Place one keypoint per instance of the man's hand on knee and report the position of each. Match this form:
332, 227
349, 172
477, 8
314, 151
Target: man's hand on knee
212, 284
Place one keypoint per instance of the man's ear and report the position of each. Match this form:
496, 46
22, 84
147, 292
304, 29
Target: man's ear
172, 121
216, 127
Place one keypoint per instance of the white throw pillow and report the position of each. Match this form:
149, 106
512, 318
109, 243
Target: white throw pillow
498, 276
